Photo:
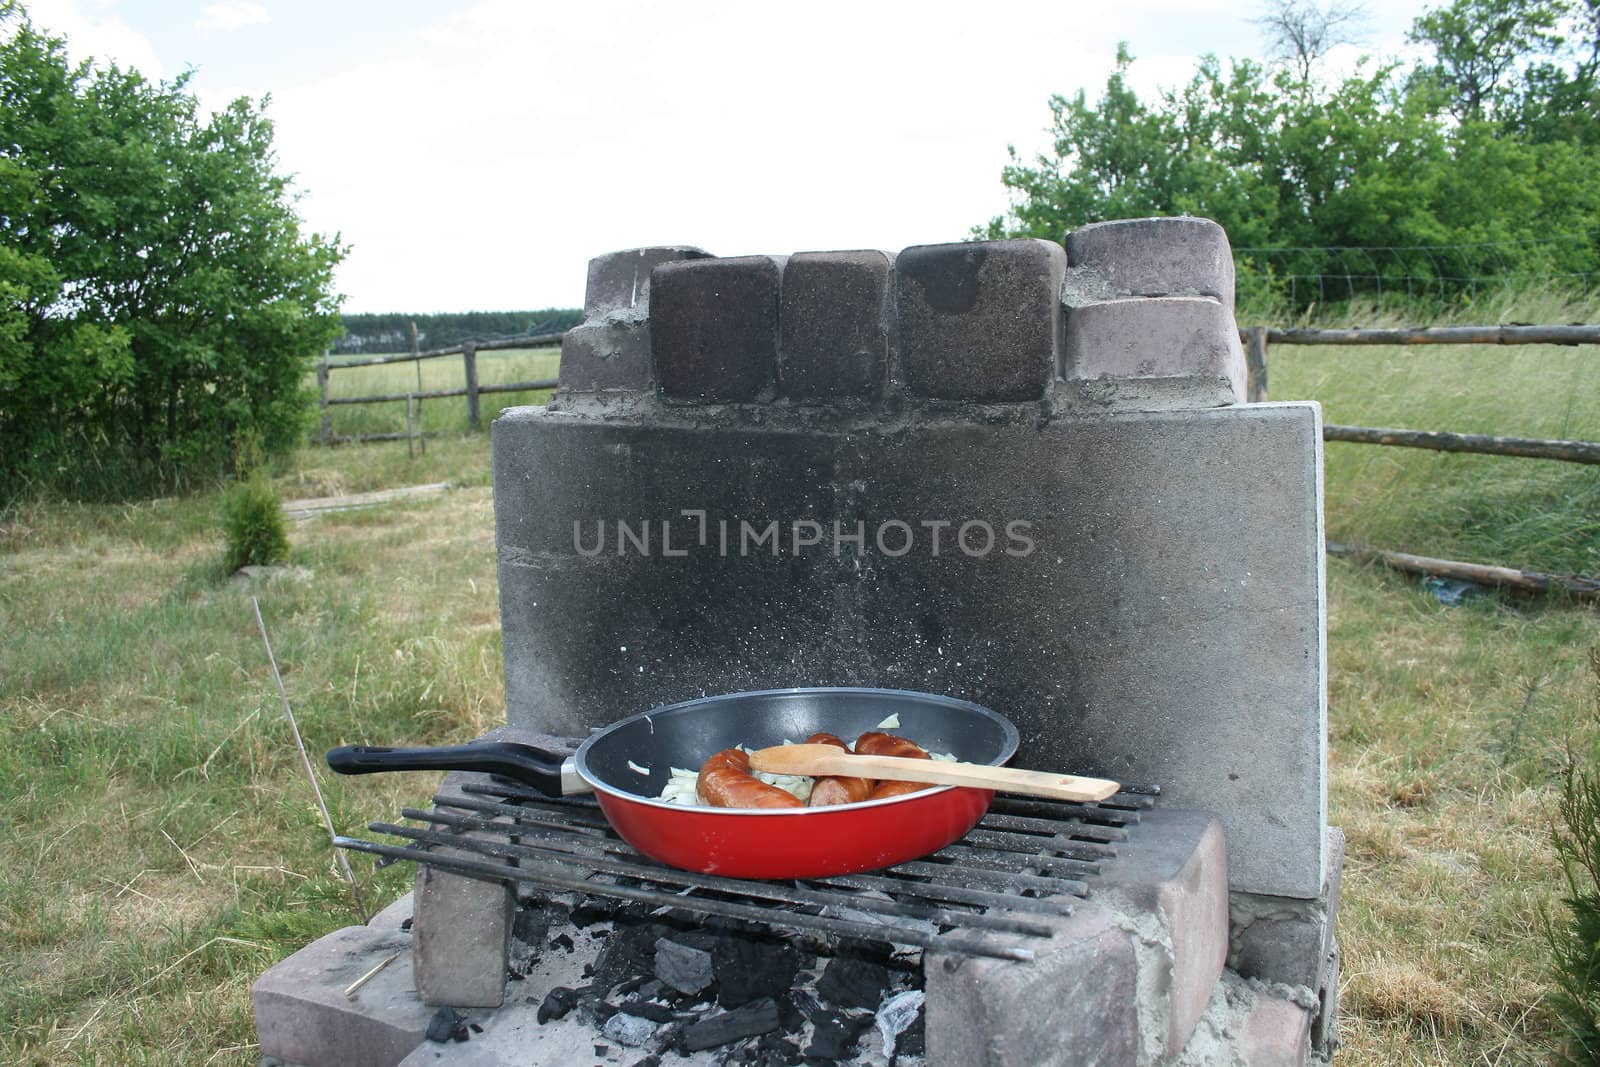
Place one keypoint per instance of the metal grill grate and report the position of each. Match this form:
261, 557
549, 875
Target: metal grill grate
985, 895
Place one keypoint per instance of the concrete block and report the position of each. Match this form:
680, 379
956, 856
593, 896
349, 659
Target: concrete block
1155, 257
1155, 337
714, 327
835, 323
1160, 618
303, 1016
619, 282
1072, 1006
1173, 878
980, 321
606, 356
1277, 1034
461, 939
1288, 940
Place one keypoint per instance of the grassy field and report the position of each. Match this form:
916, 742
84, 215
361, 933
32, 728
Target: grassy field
444, 414
159, 847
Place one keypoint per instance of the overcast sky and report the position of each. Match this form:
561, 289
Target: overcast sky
476, 154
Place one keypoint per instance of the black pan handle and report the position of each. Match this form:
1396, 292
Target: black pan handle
547, 772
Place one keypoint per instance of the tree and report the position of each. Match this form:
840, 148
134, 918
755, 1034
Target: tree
160, 302
1300, 33
1480, 47
1357, 179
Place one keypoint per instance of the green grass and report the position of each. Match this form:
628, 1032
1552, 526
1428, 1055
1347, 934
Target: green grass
160, 848
445, 414
1525, 513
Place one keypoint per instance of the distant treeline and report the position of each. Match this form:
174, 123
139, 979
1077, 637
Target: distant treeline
391, 331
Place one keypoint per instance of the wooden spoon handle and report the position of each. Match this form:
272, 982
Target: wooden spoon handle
824, 759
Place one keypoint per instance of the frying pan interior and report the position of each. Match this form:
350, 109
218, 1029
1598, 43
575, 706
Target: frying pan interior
635, 756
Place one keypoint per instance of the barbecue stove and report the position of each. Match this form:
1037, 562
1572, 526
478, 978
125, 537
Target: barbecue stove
1012, 472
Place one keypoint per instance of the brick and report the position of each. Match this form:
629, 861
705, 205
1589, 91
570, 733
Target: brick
980, 321
1155, 337
1071, 1006
1288, 940
1277, 1034
714, 327
461, 939
834, 325
606, 357
1175, 870
303, 1017
1156, 257
620, 281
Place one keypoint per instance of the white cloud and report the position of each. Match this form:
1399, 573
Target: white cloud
93, 32
231, 15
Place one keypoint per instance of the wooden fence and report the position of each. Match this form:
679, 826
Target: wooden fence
472, 389
1257, 338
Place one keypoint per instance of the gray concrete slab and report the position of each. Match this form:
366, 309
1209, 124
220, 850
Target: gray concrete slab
1141, 593
304, 1017
619, 282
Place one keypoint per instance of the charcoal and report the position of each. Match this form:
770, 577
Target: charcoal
447, 1025
897, 1015
684, 968
751, 1020
834, 1035
562, 942
557, 1003
747, 970
631, 985
652, 988
595, 1013
778, 1050
601, 1050
914, 1042
789, 1014
848, 982
406, 924
629, 1030
587, 914
629, 953
651, 1060
644, 1009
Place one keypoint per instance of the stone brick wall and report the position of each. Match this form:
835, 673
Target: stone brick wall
1128, 315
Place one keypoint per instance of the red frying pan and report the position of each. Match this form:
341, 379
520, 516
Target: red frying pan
627, 765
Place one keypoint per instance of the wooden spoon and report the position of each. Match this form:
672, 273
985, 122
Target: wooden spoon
817, 760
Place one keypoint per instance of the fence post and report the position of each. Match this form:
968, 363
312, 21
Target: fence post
326, 433
410, 453
469, 363
1255, 359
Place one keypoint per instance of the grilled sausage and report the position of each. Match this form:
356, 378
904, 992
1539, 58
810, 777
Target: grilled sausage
837, 788
881, 744
726, 782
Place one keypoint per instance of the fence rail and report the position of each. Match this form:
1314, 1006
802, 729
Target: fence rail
472, 390
1256, 340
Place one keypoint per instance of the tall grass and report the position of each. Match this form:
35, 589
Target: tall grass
1526, 513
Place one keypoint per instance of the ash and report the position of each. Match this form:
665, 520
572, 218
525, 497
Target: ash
602, 983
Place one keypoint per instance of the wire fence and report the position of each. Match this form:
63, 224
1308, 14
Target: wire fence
1417, 275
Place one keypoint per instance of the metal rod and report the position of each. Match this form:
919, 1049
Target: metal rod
899, 935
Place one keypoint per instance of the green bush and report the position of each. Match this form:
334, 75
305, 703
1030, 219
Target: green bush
252, 518
1575, 939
